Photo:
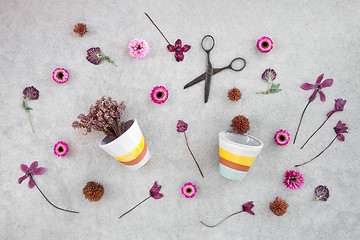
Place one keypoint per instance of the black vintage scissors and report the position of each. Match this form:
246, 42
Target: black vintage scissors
210, 70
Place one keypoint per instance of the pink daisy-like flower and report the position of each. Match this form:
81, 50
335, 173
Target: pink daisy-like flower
138, 48
60, 75
264, 44
189, 190
282, 137
293, 179
61, 149
159, 94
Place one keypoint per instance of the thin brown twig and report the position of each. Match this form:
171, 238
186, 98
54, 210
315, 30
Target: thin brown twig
221, 220
157, 28
315, 132
187, 144
302, 115
135, 206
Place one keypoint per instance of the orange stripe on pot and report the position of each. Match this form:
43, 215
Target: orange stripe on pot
138, 159
234, 165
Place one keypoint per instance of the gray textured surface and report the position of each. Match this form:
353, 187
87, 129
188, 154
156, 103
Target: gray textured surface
310, 38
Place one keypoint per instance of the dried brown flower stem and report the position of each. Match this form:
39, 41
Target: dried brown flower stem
315, 132
157, 28
221, 220
187, 144
302, 115
317, 155
135, 206
48, 199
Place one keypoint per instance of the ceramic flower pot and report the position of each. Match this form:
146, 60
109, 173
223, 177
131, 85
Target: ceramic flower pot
237, 152
130, 148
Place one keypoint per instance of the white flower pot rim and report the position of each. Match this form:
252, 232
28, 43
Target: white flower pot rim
122, 136
222, 133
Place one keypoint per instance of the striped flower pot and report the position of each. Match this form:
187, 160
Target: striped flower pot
130, 148
237, 153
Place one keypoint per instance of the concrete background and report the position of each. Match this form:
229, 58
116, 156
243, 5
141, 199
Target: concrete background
310, 38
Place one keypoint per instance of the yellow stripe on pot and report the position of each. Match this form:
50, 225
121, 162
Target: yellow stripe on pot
238, 159
133, 154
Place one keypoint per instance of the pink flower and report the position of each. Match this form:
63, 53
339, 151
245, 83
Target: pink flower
264, 44
159, 94
33, 170
154, 191
60, 75
339, 129
318, 86
293, 179
339, 106
138, 48
189, 190
282, 137
179, 50
247, 207
182, 126
61, 149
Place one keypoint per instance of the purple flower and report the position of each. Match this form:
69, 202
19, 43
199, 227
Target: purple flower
318, 86
247, 207
154, 191
339, 129
182, 126
31, 93
339, 106
179, 50
321, 193
33, 170
269, 75
95, 56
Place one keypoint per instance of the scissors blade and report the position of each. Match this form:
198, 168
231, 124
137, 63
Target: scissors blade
208, 81
196, 80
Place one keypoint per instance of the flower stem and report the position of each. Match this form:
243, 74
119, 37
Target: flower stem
187, 144
315, 132
157, 27
221, 220
30, 121
134, 207
316, 155
302, 115
49, 200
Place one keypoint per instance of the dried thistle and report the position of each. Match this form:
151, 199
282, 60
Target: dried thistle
80, 28
240, 124
104, 116
234, 94
278, 206
93, 191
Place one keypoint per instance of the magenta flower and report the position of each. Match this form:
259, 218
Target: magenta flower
61, 149
60, 75
282, 137
34, 170
339, 106
30, 93
246, 208
159, 94
182, 127
264, 44
189, 190
179, 50
339, 129
138, 48
317, 89
293, 179
154, 193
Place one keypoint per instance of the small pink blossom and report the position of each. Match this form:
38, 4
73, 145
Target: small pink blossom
159, 94
317, 87
33, 170
247, 207
189, 190
61, 149
155, 191
179, 50
138, 48
264, 44
182, 126
293, 179
60, 75
282, 137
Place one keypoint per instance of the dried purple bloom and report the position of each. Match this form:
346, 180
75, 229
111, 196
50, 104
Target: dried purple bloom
182, 126
339, 106
31, 93
317, 86
179, 50
154, 193
269, 75
339, 129
246, 208
104, 116
34, 170
95, 56
321, 193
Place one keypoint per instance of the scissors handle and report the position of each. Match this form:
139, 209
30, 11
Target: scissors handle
230, 66
212, 43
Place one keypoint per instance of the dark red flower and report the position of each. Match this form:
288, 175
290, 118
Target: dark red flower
182, 126
339, 129
317, 87
179, 50
154, 191
247, 207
